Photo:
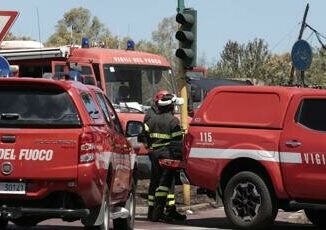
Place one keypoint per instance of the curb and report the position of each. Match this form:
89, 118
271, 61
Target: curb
141, 211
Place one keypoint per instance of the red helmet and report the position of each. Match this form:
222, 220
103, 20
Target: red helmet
160, 94
163, 98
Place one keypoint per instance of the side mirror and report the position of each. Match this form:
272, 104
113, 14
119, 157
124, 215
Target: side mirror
134, 128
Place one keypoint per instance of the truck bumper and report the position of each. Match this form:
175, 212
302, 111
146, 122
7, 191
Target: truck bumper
17, 212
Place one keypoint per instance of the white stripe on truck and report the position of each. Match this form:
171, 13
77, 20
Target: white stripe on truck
256, 154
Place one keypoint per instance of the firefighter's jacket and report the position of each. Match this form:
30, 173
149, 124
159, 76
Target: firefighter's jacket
162, 128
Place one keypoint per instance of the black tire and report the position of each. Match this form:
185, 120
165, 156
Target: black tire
101, 213
248, 202
129, 222
26, 221
3, 223
317, 217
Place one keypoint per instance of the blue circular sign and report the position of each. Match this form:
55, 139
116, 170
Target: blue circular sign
301, 55
4, 67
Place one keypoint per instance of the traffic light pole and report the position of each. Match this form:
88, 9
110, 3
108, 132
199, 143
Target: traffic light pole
182, 84
181, 6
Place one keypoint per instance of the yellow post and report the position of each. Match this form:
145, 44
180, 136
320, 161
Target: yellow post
184, 118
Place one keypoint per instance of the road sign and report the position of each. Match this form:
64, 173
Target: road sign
301, 55
4, 67
7, 19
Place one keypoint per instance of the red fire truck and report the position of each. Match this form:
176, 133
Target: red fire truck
129, 78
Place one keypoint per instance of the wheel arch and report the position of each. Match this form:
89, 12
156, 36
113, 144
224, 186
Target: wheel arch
245, 164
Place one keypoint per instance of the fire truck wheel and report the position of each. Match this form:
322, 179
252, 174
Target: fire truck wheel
128, 223
99, 215
3, 223
26, 221
248, 202
317, 217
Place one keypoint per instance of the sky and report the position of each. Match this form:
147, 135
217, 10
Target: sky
276, 21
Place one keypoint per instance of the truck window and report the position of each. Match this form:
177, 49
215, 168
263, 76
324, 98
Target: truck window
104, 107
312, 114
22, 106
90, 106
114, 117
142, 82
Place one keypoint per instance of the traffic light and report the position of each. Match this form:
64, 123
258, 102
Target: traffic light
187, 37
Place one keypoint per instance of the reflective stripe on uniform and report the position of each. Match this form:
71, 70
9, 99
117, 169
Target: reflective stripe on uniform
150, 203
171, 196
161, 194
159, 145
160, 136
176, 134
146, 127
170, 203
163, 188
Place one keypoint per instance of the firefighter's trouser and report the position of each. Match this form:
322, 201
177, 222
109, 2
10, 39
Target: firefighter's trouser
161, 187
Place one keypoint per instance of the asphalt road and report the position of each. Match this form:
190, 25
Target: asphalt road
199, 220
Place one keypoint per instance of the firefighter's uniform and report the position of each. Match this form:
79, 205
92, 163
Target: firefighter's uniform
162, 127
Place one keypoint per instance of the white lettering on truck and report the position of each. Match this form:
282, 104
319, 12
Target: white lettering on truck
7, 154
36, 154
315, 158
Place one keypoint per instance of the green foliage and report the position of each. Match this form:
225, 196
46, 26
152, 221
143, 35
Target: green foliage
11, 37
78, 23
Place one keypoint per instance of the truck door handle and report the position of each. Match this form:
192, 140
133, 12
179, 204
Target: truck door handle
293, 144
8, 139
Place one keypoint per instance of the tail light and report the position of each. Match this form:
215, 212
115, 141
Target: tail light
87, 148
187, 145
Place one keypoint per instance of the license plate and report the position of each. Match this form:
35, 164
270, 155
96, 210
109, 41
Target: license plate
12, 188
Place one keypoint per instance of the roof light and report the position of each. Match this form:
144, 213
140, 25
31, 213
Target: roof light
85, 42
130, 45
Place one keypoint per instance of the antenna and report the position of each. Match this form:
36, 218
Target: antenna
39, 36
38, 27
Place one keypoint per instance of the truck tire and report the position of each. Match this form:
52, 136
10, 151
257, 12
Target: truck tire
99, 215
248, 203
317, 217
26, 221
3, 223
129, 222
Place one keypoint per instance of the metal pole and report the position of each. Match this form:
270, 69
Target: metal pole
303, 26
181, 6
184, 108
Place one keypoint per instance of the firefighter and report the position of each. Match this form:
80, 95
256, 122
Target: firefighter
162, 127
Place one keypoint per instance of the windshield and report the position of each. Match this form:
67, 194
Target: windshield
136, 83
22, 106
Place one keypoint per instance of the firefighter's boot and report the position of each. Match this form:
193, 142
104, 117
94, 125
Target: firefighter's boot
158, 209
173, 215
150, 213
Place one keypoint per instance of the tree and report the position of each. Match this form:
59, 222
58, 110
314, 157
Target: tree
278, 68
164, 38
229, 65
243, 61
78, 23
10, 37
254, 59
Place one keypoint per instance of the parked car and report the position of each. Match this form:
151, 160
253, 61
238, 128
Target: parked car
63, 154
